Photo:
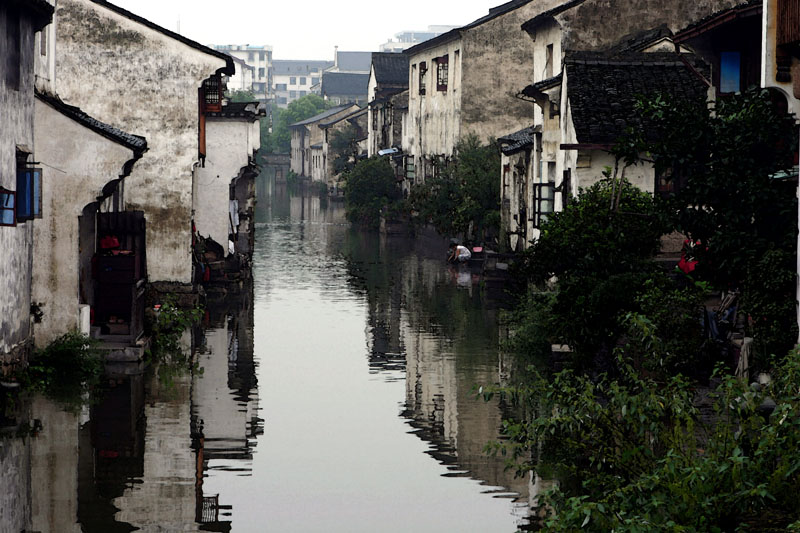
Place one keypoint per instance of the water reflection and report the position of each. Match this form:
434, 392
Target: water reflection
336, 394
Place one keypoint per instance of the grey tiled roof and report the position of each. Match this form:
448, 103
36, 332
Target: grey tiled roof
532, 23
518, 140
321, 116
390, 69
603, 90
135, 142
344, 84
636, 42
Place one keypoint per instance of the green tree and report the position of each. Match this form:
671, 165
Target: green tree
601, 257
465, 194
280, 139
727, 158
344, 149
371, 189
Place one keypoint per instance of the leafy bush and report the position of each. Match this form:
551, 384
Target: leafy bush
638, 455
66, 369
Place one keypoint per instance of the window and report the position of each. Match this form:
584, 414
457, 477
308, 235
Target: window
302, 81
261, 73
730, 67
292, 94
442, 64
548, 62
251, 56
303, 93
29, 194
543, 202
280, 86
374, 119
8, 202
212, 93
423, 69
292, 80
43, 41
410, 168
314, 81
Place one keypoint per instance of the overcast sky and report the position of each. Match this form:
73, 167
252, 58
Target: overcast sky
304, 29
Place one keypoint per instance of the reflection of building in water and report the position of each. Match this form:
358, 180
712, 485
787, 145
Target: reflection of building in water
163, 499
54, 469
447, 341
15, 480
225, 420
111, 448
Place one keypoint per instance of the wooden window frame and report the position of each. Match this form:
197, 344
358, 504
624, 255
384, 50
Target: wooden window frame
540, 216
423, 69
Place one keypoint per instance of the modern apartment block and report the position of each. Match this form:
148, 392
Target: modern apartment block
293, 79
258, 57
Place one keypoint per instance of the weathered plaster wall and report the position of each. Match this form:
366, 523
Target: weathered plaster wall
16, 243
434, 117
596, 24
77, 163
228, 147
497, 64
144, 82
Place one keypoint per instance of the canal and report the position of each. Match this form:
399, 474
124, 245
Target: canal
334, 394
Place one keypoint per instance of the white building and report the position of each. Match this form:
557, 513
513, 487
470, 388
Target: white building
293, 79
257, 57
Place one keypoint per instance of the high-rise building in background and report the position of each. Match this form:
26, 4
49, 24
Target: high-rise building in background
407, 39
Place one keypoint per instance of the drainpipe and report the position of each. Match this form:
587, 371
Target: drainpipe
194, 199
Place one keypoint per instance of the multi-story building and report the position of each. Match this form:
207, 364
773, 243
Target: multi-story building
407, 39
293, 79
20, 183
258, 57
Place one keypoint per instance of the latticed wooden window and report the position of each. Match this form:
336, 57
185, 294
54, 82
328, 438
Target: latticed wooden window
442, 68
212, 93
